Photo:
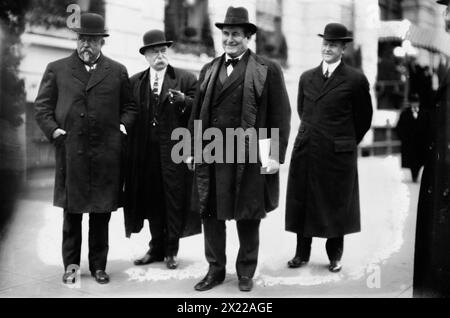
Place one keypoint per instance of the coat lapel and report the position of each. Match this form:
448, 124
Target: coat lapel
336, 79
78, 69
170, 81
254, 82
316, 80
207, 86
103, 69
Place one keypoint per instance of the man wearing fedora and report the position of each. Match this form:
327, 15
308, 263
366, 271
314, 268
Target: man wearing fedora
238, 90
432, 244
335, 110
156, 188
85, 108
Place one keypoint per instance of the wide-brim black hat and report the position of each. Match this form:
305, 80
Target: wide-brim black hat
443, 2
238, 17
154, 38
91, 24
336, 32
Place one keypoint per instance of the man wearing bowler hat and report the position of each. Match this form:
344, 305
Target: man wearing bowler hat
85, 108
432, 244
238, 90
335, 110
156, 188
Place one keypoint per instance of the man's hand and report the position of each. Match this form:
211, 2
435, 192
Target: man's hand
123, 129
176, 96
58, 132
190, 163
272, 166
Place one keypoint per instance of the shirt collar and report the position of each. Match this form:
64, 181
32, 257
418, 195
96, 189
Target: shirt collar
331, 67
161, 73
227, 57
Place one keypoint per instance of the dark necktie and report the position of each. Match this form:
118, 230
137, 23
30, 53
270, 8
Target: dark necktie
326, 74
155, 92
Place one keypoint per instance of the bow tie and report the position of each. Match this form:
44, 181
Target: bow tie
232, 62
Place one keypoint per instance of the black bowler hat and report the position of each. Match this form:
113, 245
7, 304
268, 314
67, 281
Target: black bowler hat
444, 2
91, 24
154, 38
237, 17
336, 32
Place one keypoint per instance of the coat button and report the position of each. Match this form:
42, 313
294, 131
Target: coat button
446, 192
80, 133
82, 115
80, 152
215, 120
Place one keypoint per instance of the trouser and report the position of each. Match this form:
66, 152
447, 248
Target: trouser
415, 172
215, 246
334, 248
164, 228
98, 240
164, 242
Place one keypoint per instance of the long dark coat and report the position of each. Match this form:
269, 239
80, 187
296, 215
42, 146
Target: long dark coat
176, 178
265, 104
90, 108
411, 132
432, 244
323, 195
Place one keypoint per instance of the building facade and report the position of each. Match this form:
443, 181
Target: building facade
288, 33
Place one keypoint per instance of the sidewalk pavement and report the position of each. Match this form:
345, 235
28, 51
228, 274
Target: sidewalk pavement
378, 262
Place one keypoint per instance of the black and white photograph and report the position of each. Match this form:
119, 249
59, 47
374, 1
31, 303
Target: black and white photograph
240, 150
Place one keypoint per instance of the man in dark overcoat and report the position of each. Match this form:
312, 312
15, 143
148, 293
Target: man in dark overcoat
432, 244
85, 108
157, 188
410, 129
238, 90
335, 110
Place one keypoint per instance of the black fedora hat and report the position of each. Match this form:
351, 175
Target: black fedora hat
154, 38
443, 2
238, 17
336, 32
91, 24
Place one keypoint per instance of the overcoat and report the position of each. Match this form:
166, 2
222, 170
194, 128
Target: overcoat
411, 132
90, 108
432, 243
323, 195
264, 103
176, 178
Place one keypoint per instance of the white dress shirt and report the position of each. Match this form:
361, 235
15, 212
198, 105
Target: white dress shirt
161, 75
230, 67
93, 66
331, 67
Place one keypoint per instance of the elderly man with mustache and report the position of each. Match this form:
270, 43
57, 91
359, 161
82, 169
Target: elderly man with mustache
85, 108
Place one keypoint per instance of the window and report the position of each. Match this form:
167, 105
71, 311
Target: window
270, 40
390, 10
187, 24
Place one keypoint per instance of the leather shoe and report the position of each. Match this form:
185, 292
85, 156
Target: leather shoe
245, 284
297, 262
208, 282
171, 262
69, 277
335, 266
148, 259
101, 277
